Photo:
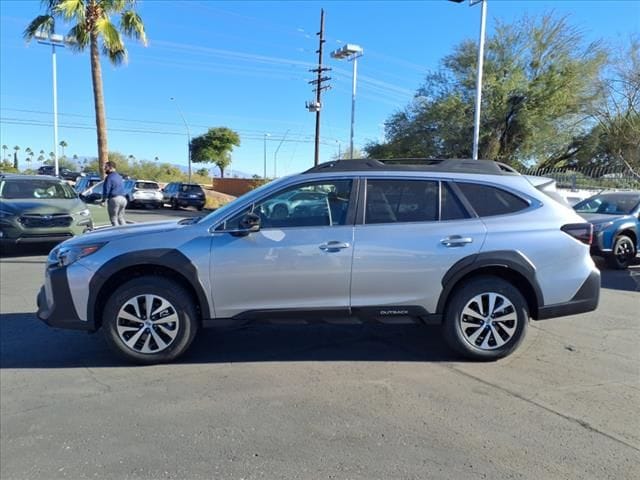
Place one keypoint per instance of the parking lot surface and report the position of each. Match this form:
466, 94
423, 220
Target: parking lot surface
320, 402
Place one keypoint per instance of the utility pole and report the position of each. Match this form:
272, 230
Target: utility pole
319, 87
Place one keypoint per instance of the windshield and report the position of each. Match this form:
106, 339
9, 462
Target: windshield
609, 204
147, 186
191, 188
46, 189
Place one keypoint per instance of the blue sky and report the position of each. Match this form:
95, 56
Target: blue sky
244, 65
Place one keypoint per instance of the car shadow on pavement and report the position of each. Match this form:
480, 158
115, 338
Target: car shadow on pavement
26, 343
34, 250
626, 280
169, 212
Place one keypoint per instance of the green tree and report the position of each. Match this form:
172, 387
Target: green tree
4, 153
41, 158
344, 155
538, 87
203, 172
63, 145
215, 146
92, 28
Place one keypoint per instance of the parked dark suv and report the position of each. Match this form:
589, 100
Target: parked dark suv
179, 194
63, 172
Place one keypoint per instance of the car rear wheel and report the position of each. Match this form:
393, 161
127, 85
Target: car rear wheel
174, 204
486, 319
623, 252
150, 320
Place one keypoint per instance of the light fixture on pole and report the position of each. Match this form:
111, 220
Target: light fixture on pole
188, 133
54, 40
265, 155
351, 52
476, 116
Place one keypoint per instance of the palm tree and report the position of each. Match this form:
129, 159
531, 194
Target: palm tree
63, 144
5, 148
92, 24
41, 158
157, 158
29, 154
15, 157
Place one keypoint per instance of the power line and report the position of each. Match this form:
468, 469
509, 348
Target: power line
36, 123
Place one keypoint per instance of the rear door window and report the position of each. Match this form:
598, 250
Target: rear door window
488, 200
393, 201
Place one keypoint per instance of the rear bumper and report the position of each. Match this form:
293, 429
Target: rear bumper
55, 305
190, 202
585, 300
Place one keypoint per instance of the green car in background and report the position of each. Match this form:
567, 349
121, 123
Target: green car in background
40, 209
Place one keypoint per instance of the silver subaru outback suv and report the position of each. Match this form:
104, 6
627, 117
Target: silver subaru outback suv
470, 245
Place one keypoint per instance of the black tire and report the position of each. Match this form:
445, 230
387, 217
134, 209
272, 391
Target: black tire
176, 335
200, 208
174, 204
492, 338
622, 254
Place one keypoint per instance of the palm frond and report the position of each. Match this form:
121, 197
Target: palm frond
112, 6
132, 26
78, 37
71, 9
42, 23
116, 57
112, 45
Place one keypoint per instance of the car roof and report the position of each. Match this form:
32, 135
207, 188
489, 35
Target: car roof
17, 176
452, 165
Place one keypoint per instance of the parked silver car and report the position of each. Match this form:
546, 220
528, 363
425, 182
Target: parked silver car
471, 245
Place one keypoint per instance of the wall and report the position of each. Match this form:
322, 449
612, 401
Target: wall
235, 186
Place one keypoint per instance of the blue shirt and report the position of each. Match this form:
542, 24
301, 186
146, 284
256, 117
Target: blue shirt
113, 186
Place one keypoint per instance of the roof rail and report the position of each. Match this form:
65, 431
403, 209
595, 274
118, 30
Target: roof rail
488, 167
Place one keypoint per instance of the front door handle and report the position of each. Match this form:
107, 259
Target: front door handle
456, 241
333, 246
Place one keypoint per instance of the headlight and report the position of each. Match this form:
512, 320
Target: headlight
66, 255
84, 213
598, 227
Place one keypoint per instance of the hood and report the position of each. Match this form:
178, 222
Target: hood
596, 218
44, 207
119, 233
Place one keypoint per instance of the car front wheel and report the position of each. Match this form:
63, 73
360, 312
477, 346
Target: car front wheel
623, 252
486, 319
150, 320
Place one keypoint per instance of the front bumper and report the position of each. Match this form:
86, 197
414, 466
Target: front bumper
55, 305
598, 245
585, 300
12, 234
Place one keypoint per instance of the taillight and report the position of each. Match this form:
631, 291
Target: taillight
580, 231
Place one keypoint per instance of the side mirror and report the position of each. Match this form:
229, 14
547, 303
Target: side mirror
250, 223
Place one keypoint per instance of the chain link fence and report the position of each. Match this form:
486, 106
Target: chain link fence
591, 178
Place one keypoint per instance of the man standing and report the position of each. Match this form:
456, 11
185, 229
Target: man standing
113, 194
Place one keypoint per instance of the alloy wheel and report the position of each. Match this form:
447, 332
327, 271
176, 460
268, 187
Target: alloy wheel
147, 323
624, 250
488, 321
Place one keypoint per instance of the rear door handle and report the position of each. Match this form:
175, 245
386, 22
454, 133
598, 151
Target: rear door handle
456, 241
333, 246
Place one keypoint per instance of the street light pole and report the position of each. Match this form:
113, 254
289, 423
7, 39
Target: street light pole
476, 116
275, 155
55, 41
265, 155
476, 120
188, 133
351, 52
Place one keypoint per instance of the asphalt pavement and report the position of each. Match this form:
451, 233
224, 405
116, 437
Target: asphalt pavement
320, 402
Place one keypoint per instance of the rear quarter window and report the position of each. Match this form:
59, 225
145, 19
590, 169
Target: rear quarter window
488, 201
